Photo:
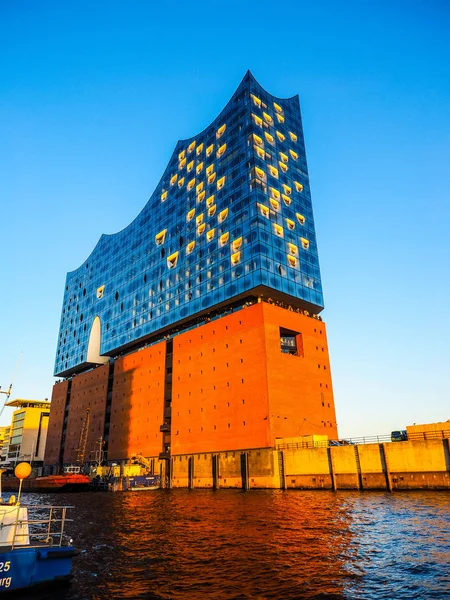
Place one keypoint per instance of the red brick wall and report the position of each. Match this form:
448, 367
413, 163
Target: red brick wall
219, 399
233, 388
298, 385
55, 425
88, 391
138, 403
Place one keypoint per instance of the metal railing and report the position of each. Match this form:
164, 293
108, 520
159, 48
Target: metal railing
437, 434
33, 526
371, 439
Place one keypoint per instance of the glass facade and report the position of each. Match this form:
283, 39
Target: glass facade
231, 216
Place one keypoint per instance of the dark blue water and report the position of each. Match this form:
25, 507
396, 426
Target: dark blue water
231, 545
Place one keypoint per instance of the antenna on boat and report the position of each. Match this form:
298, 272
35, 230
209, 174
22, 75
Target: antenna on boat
8, 392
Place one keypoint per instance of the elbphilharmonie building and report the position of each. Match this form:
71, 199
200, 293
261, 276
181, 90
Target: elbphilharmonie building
196, 330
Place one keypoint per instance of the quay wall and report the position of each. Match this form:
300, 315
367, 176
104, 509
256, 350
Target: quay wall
408, 465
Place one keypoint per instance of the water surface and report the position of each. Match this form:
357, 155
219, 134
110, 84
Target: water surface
261, 545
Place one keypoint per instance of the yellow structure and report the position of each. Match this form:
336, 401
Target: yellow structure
429, 431
28, 431
312, 464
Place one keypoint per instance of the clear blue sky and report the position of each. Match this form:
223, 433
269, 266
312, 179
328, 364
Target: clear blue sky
94, 96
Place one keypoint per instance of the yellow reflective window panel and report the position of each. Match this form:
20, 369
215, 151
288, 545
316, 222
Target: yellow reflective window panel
273, 171
221, 183
191, 147
190, 166
236, 244
221, 131
191, 184
201, 229
305, 243
293, 154
210, 234
190, 215
275, 193
292, 249
181, 182
199, 149
292, 261
173, 179
257, 120
211, 178
199, 219
256, 100
160, 237
163, 196
280, 136
201, 196
267, 118
224, 239
190, 247
182, 155
210, 201
235, 258
221, 150
300, 218
260, 173
290, 224
278, 108
100, 291
182, 163
223, 215
287, 189
210, 150
284, 157
210, 169
260, 152
257, 140
274, 204
280, 118
172, 260
293, 136
278, 230
199, 187
283, 166
298, 186
286, 199
264, 210
212, 210
269, 138
199, 168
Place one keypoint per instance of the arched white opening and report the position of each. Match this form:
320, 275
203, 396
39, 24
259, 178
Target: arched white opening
93, 351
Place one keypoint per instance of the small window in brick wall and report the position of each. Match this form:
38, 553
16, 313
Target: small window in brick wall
291, 342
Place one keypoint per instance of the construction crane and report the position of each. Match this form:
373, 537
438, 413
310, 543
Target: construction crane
138, 459
81, 450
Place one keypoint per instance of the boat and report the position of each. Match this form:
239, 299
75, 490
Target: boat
33, 547
142, 483
72, 480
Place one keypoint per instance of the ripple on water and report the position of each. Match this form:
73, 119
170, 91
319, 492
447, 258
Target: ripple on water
266, 545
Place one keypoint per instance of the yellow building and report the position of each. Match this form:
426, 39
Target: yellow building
4, 440
27, 434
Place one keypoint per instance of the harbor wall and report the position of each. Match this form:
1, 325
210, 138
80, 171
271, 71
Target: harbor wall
390, 466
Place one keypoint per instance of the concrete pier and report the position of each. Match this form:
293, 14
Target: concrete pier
408, 465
